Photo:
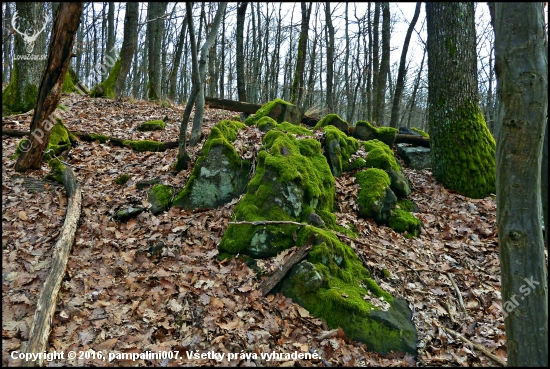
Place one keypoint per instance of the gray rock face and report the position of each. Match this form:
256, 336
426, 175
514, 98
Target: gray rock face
415, 157
129, 213
333, 152
399, 184
217, 182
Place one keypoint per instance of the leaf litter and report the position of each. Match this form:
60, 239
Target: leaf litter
116, 297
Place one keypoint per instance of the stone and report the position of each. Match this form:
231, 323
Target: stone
129, 213
415, 157
315, 220
399, 183
160, 197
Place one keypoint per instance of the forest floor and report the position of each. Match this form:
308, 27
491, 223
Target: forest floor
118, 298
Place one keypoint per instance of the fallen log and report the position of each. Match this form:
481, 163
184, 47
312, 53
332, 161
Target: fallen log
300, 254
45, 307
412, 139
231, 105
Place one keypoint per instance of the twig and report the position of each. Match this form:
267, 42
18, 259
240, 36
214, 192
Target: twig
457, 292
448, 306
477, 346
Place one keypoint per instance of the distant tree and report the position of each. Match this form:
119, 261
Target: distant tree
241, 13
155, 32
330, 57
384, 66
128, 45
521, 67
399, 85
298, 84
462, 148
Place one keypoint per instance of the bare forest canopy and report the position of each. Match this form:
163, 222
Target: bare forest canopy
269, 54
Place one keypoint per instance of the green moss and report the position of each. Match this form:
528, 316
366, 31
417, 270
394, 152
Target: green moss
152, 125
451, 46
160, 196
373, 183
365, 131
16, 101
406, 205
68, 84
358, 163
463, 151
57, 169
266, 123
100, 138
288, 170
403, 221
386, 273
144, 145
107, 87
266, 110
333, 120
122, 179
380, 156
339, 148
294, 129
59, 140
421, 132
22, 146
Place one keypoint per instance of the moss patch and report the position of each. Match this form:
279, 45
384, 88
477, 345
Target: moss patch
107, 87
277, 109
421, 132
365, 131
403, 221
68, 84
144, 145
338, 149
463, 152
333, 120
122, 179
160, 197
153, 125
59, 140
16, 101
57, 170
380, 156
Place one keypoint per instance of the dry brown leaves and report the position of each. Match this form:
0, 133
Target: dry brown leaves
117, 298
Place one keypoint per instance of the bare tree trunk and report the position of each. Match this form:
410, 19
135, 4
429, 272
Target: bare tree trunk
128, 45
155, 30
241, 13
199, 103
412, 102
110, 52
522, 77
401, 74
49, 93
384, 65
375, 61
330, 57
298, 84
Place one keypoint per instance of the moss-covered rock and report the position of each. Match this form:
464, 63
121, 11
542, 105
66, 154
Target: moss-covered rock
280, 110
333, 120
358, 163
219, 174
399, 183
57, 170
126, 214
144, 145
68, 84
333, 284
380, 156
107, 87
292, 179
415, 157
59, 140
338, 149
420, 132
365, 131
160, 198
266, 123
122, 179
375, 198
152, 125
403, 221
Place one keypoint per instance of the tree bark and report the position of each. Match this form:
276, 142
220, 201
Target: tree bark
330, 57
128, 45
49, 93
375, 60
45, 306
199, 102
241, 13
522, 89
401, 74
384, 66
155, 31
462, 148
298, 84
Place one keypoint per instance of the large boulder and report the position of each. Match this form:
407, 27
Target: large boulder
375, 198
219, 174
333, 284
292, 180
415, 157
280, 110
338, 149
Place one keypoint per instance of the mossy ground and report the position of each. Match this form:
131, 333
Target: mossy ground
107, 87
463, 152
122, 179
403, 221
153, 125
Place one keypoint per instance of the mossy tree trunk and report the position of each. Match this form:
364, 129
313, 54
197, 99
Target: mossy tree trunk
49, 93
128, 45
298, 83
462, 148
155, 31
20, 95
522, 77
